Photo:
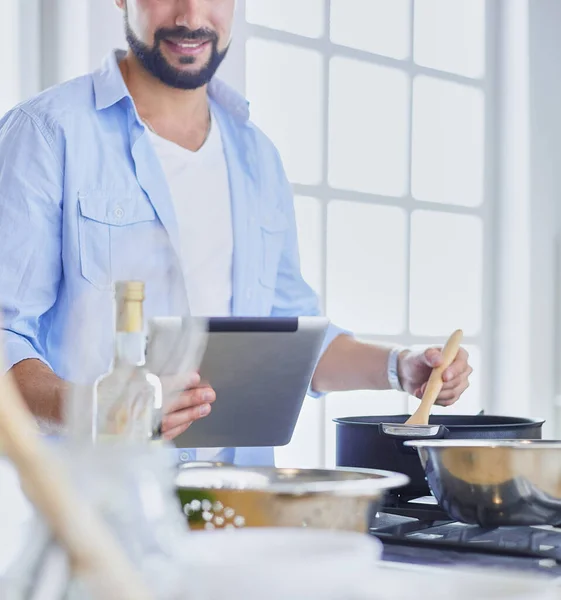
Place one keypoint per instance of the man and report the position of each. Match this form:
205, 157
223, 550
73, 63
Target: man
150, 169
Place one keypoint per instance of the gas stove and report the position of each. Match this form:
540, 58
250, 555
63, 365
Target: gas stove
417, 531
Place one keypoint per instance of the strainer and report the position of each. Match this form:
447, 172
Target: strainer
233, 497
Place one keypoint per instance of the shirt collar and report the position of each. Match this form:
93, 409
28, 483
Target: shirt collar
110, 88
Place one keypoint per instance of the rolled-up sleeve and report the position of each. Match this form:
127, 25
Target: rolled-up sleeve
293, 296
31, 178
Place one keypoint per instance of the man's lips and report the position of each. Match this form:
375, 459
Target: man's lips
187, 47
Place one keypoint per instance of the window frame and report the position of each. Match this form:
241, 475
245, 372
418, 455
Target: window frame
325, 193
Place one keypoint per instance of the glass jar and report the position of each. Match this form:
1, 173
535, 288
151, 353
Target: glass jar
133, 488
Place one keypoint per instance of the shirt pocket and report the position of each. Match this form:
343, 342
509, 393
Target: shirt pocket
273, 233
111, 228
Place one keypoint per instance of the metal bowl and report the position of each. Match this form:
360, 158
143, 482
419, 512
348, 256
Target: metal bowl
495, 483
198, 464
230, 497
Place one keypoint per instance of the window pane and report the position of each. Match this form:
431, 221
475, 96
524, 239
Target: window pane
10, 89
446, 273
354, 404
378, 26
471, 401
450, 36
289, 107
448, 142
295, 16
310, 239
368, 127
366, 267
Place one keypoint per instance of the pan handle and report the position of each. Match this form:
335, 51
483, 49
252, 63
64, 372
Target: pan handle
408, 432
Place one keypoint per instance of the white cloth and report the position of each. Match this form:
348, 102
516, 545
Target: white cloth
199, 186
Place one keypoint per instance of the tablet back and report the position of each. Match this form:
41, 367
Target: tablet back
260, 369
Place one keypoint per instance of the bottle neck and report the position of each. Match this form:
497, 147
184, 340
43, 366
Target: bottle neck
130, 341
130, 348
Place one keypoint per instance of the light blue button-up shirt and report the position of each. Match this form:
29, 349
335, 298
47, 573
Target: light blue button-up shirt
84, 202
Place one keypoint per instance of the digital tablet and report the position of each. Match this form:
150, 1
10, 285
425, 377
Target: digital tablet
260, 369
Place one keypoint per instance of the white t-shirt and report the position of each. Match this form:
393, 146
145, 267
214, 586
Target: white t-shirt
199, 186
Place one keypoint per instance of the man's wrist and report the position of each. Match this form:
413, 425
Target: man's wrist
396, 376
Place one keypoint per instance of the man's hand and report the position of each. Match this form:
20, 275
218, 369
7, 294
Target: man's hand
415, 367
193, 403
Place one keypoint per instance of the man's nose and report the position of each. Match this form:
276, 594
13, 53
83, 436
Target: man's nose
190, 14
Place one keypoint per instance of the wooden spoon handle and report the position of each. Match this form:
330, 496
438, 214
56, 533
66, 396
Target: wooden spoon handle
93, 551
435, 383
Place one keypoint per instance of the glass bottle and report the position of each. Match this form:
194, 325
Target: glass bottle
127, 398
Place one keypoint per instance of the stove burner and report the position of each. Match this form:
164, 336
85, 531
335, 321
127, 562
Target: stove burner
419, 530
425, 508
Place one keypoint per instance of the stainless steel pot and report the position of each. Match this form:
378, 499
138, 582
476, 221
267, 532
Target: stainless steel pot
495, 483
230, 497
376, 442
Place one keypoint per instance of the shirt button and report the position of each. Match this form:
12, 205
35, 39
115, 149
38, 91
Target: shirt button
119, 212
248, 294
185, 456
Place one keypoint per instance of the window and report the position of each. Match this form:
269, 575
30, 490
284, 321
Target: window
10, 72
20, 33
378, 108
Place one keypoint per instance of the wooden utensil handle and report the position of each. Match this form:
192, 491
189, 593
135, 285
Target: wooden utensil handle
449, 353
451, 349
435, 383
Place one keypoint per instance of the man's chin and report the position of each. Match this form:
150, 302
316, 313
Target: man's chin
188, 65
185, 79
188, 72
171, 72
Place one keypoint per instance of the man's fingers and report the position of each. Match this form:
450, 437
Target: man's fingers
451, 396
189, 398
454, 393
458, 381
194, 380
174, 385
432, 357
459, 367
173, 433
445, 402
191, 405
450, 391
186, 416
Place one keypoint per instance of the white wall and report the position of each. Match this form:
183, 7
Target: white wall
65, 32
545, 190
106, 30
512, 308
528, 328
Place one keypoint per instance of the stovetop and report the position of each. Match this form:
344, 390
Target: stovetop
417, 531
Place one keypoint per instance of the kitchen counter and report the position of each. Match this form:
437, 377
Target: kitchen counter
413, 556
397, 580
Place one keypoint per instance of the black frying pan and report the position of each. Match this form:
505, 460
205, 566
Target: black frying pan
372, 442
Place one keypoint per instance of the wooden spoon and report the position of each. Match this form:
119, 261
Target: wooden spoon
435, 383
92, 549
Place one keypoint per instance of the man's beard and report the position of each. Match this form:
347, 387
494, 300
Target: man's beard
156, 63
